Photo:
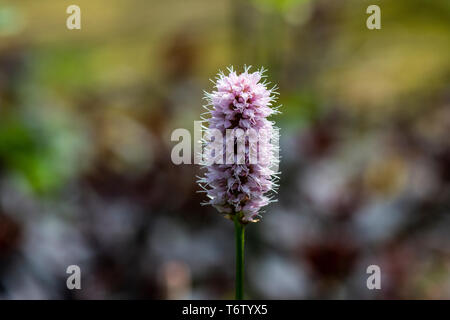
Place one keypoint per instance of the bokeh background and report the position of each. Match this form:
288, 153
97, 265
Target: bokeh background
85, 171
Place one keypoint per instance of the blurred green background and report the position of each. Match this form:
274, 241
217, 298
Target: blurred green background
85, 170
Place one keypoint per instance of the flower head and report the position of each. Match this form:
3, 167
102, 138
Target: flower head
241, 104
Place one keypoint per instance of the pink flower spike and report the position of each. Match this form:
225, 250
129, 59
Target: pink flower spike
241, 102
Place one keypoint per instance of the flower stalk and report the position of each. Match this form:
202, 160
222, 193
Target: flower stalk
240, 243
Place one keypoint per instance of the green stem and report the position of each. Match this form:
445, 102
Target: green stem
240, 228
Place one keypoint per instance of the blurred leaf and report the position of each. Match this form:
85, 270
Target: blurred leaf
11, 21
43, 153
281, 6
299, 108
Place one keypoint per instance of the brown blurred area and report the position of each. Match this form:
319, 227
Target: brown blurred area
86, 176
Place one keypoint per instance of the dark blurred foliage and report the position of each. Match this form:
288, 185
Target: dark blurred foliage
86, 176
